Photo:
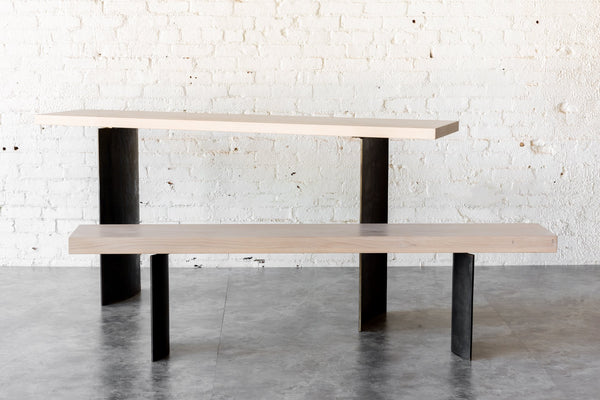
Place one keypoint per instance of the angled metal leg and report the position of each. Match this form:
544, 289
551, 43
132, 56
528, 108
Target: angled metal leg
159, 281
119, 204
373, 209
462, 304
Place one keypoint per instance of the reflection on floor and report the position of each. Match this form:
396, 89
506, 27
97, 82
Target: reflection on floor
292, 334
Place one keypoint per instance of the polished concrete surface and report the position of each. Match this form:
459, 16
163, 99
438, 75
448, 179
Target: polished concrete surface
292, 334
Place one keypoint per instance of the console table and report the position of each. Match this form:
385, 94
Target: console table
119, 177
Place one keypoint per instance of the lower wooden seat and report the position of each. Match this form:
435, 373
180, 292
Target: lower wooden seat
311, 238
460, 239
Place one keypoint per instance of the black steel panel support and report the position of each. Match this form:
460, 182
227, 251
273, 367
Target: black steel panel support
373, 209
119, 204
463, 269
159, 282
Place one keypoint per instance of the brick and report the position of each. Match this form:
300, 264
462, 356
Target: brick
361, 23
53, 22
254, 8
163, 91
168, 7
385, 9
330, 8
212, 7
169, 35
122, 7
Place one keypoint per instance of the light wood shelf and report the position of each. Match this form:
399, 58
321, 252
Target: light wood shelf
257, 124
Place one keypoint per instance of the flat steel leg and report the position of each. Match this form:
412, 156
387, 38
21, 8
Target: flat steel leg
159, 266
373, 209
119, 204
462, 304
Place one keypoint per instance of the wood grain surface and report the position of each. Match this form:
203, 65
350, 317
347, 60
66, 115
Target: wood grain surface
311, 238
243, 123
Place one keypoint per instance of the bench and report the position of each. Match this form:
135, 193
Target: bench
460, 239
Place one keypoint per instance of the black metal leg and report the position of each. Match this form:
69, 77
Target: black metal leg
119, 204
373, 209
159, 266
462, 304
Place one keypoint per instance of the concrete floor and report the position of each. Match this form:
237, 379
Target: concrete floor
292, 334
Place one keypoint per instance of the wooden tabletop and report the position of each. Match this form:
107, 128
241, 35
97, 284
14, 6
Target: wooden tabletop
311, 238
243, 123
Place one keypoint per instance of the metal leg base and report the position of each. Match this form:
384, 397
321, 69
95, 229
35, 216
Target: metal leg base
462, 304
159, 266
119, 204
119, 277
373, 209
373, 290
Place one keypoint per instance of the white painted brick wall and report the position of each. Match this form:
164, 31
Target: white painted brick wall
523, 77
